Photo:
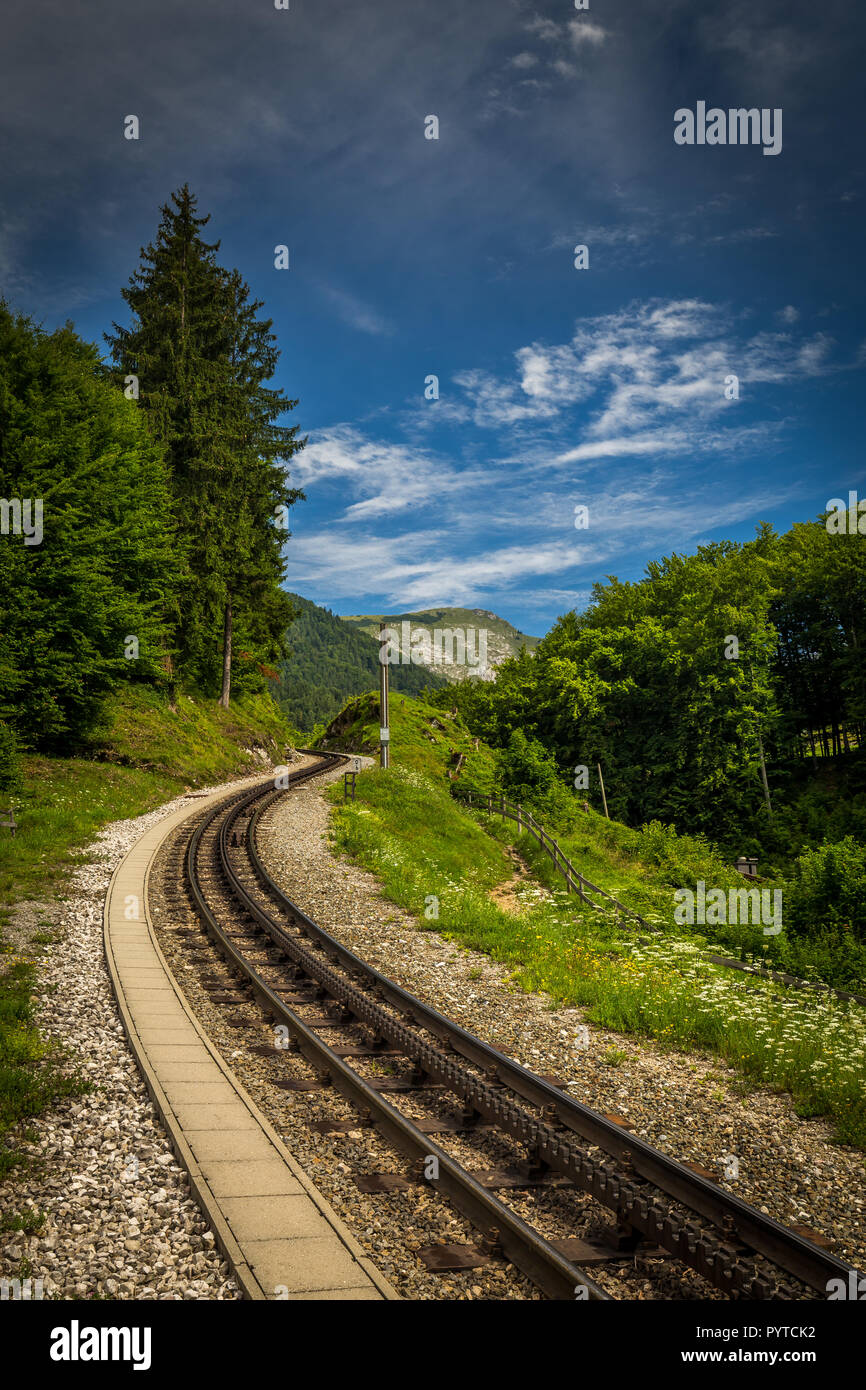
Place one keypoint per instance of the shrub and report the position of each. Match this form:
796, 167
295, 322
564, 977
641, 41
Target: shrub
527, 772
829, 889
9, 769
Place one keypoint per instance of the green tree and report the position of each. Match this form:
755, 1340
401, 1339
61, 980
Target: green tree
820, 613
202, 358
91, 602
641, 683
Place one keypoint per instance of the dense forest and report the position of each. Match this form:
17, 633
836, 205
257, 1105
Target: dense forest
144, 502
330, 660
683, 684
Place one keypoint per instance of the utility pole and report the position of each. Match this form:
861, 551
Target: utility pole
384, 730
603, 797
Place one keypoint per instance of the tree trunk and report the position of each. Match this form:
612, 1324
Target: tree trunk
227, 657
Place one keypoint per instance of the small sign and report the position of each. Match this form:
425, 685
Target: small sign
356, 763
384, 735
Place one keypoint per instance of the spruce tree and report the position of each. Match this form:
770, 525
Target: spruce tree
202, 358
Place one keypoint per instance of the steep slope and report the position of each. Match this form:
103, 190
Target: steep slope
427, 740
503, 639
330, 662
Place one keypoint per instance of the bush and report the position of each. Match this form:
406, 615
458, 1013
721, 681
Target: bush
829, 889
527, 772
9, 768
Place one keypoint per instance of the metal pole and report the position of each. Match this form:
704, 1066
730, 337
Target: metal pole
603, 797
384, 730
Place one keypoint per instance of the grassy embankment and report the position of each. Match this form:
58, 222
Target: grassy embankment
144, 754
431, 853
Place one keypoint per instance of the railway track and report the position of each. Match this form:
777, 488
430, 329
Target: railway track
344, 1018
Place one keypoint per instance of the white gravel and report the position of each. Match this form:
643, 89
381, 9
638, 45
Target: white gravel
119, 1220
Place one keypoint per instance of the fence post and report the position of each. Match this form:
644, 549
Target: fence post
519, 821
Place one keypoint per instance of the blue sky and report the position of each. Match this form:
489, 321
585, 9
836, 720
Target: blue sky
603, 387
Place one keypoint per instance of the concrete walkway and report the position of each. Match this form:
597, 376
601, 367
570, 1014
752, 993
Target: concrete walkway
277, 1232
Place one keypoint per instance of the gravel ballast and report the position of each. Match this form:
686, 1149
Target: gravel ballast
119, 1220
688, 1105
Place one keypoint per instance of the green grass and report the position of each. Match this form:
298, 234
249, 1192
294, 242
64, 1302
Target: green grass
642, 868
194, 741
423, 738
34, 1071
29, 1221
436, 860
144, 754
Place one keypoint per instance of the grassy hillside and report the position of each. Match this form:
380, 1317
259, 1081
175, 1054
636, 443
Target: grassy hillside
441, 862
426, 740
503, 640
144, 753
331, 661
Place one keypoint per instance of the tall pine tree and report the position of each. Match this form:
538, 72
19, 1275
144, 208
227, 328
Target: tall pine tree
202, 359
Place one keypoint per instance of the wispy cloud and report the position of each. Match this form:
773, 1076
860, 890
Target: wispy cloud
386, 477
623, 401
584, 33
355, 312
662, 365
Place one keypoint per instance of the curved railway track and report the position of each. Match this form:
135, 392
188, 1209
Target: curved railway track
292, 966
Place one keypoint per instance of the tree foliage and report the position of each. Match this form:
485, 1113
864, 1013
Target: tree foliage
676, 683
104, 570
202, 358
330, 660
829, 889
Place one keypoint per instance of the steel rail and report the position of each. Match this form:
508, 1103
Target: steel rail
518, 1242
738, 1220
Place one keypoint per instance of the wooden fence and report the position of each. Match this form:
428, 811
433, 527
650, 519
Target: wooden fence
575, 881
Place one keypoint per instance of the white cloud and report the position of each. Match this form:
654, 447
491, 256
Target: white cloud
543, 28
583, 33
440, 564
655, 365
388, 478
625, 447
603, 420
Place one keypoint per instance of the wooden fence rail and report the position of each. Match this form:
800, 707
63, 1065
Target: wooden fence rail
576, 881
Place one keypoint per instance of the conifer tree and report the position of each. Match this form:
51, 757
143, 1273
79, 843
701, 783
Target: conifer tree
202, 359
